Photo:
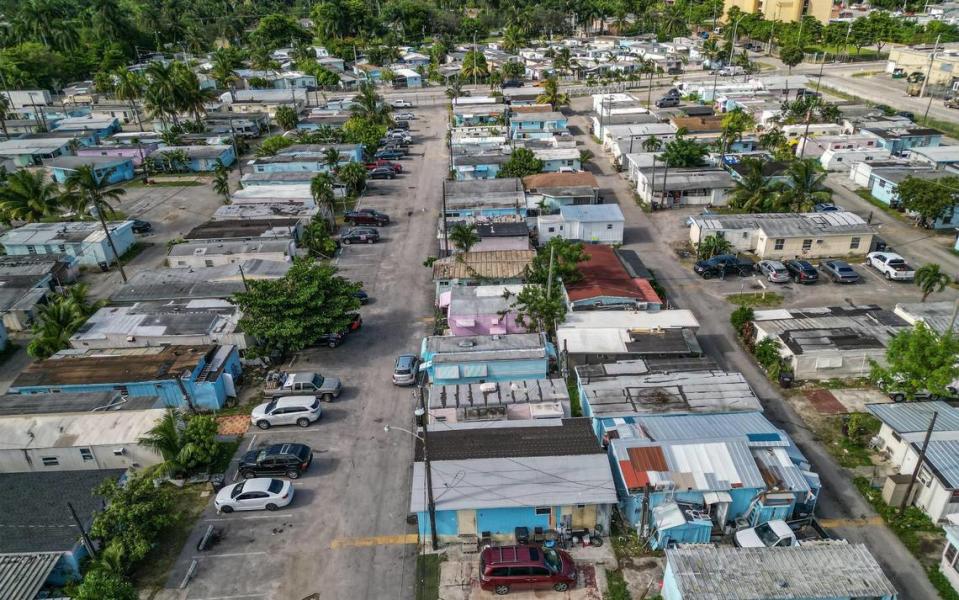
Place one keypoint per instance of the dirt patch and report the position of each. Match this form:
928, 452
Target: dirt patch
643, 575
233, 424
824, 402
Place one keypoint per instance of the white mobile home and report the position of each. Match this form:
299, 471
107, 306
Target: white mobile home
841, 159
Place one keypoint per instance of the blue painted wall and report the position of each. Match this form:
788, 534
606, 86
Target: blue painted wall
553, 166
897, 146
887, 192
479, 172
118, 172
89, 254
498, 521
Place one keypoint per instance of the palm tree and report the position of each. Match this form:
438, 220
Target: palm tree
734, 123
463, 236
87, 193
56, 322
165, 439
353, 174
160, 96
188, 96
455, 90
224, 62
551, 94
652, 144
804, 186
4, 108
332, 156
28, 196
931, 279
713, 245
513, 38
370, 106
752, 192
321, 188
129, 87
221, 181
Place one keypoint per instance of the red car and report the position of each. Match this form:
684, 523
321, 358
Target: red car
398, 168
516, 568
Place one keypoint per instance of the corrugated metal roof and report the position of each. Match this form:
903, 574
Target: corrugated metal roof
704, 466
943, 457
505, 264
22, 575
911, 417
818, 570
515, 482
665, 428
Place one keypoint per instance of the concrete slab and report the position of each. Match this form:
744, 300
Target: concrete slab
855, 400
459, 580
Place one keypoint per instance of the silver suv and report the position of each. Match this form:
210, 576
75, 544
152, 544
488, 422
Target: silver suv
405, 369
287, 410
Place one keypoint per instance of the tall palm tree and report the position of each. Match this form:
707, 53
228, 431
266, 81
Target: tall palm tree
332, 156
804, 186
160, 96
652, 144
129, 87
370, 105
321, 188
188, 96
551, 94
165, 438
56, 321
463, 236
224, 61
931, 279
221, 181
753, 193
455, 89
87, 193
513, 38
28, 196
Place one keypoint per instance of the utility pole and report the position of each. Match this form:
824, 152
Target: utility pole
922, 456
106, 230
431, 503
932, 59
87, 542
475, 62
805, 138
549, 278
185, 392
952, 321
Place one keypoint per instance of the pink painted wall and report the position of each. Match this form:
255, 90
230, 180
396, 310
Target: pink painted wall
484, 324
118, 152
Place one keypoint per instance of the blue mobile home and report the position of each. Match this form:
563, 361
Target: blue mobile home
885, 182
478, 166
109, 170
82, 239
900, 139
478, 358
539, 474
537, 125
198, 159
179, 375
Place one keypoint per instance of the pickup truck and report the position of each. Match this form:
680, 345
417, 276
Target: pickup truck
891, 265
772, 534
302, 383
722, 265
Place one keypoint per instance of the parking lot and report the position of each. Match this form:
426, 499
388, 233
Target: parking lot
345, 535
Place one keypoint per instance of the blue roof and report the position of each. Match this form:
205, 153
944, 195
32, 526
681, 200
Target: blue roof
752, 427
595, 213
912, 417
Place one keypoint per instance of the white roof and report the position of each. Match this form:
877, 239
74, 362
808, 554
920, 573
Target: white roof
608, 332
515, 482
259, 193
77, 430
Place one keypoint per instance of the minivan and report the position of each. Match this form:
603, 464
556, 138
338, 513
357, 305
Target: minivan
518, 568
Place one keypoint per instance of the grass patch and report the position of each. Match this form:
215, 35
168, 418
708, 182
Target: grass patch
616, 586
861, 74
574, 406
863, 55
842, 384
626, 542
152, 572
947, 127
756, 299
825, 89
892, 212
942, 585
133, 251
918, 533
428, 576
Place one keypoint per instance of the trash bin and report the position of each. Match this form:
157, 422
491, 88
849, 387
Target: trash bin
217, 481
522, 535
104, 266
785, 380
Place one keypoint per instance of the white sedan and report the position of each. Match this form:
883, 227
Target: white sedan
260, 493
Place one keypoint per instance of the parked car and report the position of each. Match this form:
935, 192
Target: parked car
722, 265
366, 216
363, 297
382, 173
397, 167
281, 383
512, 83
891, 265
667, 102
840, 271
673, 93
404, 116
824, 207
952, 103
331, 339
731, 71
397, 145
140, 226
360, 235
388, 154
254, 494
506, 568
277, 459
287, 410
771, 534
401, 103
356, 321
405, 369
802, 271
774, 271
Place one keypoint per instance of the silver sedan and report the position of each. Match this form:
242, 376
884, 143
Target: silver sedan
774, 271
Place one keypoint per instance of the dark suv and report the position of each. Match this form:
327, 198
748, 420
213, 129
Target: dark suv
366, 216
507, 568
722, 265
279, 459
802, 271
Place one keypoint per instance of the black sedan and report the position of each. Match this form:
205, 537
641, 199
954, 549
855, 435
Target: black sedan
382, 173
360, 235
140, 226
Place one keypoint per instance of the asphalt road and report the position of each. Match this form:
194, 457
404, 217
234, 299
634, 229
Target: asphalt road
648, 235
346, 535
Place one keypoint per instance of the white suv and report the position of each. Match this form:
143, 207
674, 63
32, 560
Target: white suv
287, 410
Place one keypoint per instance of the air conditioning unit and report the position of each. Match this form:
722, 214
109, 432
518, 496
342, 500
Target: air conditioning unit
119, 451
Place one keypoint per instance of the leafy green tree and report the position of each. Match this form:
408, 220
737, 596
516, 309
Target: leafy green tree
353, 174
321, 189
683, 152
98, 584
55, 322
28, 196
288, 314
278, 30
463, 236
713, 245
317, 241
370, 105
753, 192
332, 157
805, 186
200, 447
359, 130
514, 70
513, 38
522, 162
741, 320
567, 257
652, 144
537, 310
734, 124
221, 181
474, 66
129, 88
286, 117
928, 199
224, 63
135, 516
767, 355
791, 56
273, 144
930, 278
919, 360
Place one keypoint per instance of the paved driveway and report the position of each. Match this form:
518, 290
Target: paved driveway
346, 535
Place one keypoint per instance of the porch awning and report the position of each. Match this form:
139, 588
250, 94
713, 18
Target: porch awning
716, 497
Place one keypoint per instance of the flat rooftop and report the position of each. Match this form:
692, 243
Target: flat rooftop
511, 346
160, 319
806, 330
244, 229
74, 430
497, 393
41, 404
789, 225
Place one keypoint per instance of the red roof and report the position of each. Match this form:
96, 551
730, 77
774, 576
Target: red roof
604, 275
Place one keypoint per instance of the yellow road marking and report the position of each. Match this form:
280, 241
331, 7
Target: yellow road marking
376, 540
851, 522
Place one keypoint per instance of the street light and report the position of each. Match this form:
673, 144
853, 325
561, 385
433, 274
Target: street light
431, 505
